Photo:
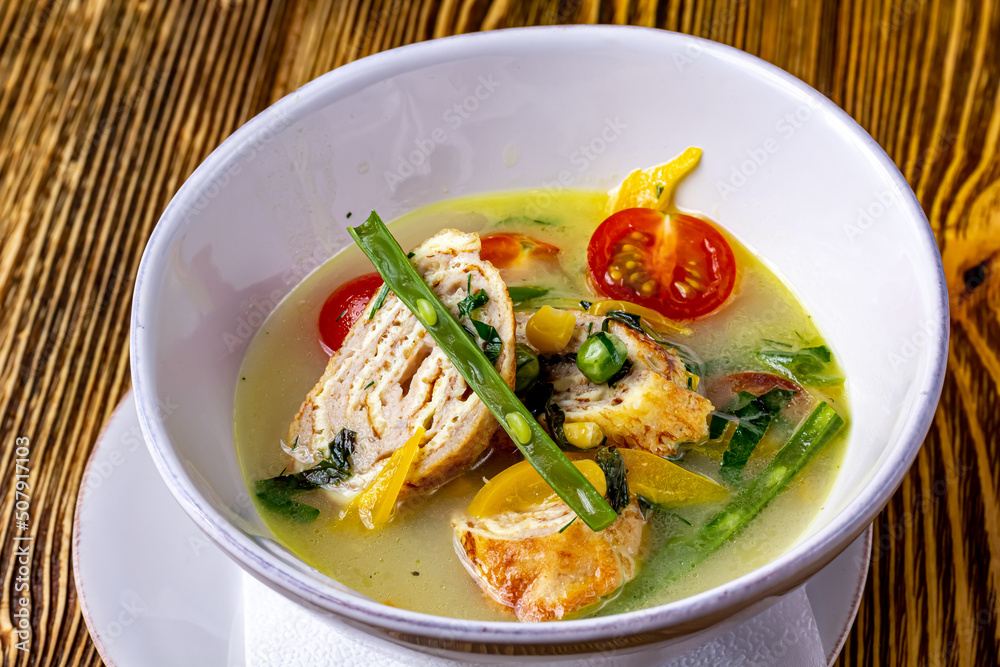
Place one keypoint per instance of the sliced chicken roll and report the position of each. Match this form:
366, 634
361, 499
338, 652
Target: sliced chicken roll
651, 408
390, 377
523, 561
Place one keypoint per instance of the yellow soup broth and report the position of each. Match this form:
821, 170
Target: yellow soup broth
411, 563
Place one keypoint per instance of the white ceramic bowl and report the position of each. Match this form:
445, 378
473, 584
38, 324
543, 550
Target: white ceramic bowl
784, 170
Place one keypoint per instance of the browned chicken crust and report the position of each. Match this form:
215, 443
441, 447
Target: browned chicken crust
521, 560
390, 377
651, 408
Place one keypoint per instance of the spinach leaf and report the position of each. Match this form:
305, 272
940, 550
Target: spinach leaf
276, 493
808, 365
275, 496
613, 465
471, 301
755, 415
555, 417
537, 398
622, 372
493, 344
628, 319
522, 293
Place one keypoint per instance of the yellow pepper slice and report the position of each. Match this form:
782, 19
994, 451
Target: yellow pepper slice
549, 330
667, 484
653, 187
377, 503
520, 487
653, 318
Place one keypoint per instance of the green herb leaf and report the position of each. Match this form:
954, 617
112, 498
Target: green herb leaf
754, 418
717, 424
613, 465
556, 418
537, 398
807, 365
275, 493
493, 344
276, 498
622, 372
628, 319
521, 294
383, 292
471, 301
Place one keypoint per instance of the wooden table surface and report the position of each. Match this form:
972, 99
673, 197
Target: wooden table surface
106, 106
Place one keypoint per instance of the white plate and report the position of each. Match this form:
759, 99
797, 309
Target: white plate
154, 590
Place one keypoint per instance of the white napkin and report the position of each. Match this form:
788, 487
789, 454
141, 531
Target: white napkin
278, 632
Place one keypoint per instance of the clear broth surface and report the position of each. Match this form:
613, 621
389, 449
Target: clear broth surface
412, 563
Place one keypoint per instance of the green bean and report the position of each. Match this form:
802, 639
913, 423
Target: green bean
399, 274
687, 550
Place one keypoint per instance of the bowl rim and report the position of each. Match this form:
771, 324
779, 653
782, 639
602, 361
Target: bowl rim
781, 574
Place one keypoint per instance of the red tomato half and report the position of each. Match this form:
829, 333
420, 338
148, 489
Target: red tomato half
506, 248
682, 267
343, 307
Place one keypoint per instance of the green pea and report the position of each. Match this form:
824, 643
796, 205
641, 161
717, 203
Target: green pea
601, 356
527, 367
427, 312
519, 428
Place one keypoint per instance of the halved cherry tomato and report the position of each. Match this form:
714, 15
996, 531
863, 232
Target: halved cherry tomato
506, 248
721, 391
342, 307
681, 267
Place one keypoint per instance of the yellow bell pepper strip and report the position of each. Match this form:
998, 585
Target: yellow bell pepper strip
377, 503
381, 248
653, 187
549, 330
666, 484
520, 487
654, 319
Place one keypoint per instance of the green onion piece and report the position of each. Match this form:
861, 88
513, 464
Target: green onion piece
379, 300
687, 550
565, 479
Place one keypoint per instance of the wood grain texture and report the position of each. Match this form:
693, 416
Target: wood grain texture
106, 106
